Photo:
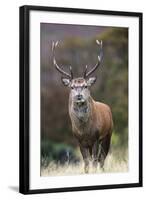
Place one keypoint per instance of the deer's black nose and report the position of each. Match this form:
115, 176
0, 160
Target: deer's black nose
79, 96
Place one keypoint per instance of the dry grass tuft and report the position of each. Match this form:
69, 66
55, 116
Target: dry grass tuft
115, 162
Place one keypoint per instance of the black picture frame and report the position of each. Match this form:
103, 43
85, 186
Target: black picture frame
24, 24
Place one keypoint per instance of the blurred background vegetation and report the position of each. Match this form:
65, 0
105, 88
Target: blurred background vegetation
77, 47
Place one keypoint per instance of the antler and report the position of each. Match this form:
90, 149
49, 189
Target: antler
54, 45
100, 56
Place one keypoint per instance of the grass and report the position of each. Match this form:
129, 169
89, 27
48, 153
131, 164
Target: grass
117, 161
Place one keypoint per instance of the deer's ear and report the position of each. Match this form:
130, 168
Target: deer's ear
91, 81
65, 81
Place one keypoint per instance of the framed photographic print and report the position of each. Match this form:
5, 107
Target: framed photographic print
80, 99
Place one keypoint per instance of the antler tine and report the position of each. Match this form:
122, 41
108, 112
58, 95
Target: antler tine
54, 45
85, 71
71, 72
100, 56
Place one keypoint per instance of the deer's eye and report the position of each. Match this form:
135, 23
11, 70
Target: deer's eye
72, 87
85, 86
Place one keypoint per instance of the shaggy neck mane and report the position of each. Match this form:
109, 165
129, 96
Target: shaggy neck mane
80, 112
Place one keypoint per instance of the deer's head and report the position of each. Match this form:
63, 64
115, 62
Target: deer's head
79, 87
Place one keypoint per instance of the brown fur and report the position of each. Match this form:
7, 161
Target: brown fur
94, 134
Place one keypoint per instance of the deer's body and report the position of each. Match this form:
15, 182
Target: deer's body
92, 126
91, 121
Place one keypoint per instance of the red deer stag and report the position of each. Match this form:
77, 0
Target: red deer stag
91, 120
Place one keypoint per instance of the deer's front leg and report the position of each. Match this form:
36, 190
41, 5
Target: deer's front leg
85, 154
95, 154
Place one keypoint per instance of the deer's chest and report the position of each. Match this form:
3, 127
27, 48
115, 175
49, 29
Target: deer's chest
82, 125
85, 133
86, 137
